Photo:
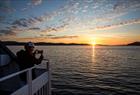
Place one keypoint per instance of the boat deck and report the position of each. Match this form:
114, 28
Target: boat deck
12, 84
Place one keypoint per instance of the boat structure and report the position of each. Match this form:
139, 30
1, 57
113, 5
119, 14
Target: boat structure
10, 81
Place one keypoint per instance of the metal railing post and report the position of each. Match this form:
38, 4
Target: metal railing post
49, 78
29, 81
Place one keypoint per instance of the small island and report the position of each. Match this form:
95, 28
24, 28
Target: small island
134, 44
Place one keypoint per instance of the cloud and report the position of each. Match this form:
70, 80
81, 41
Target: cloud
6, 32
102, 9
127, 22
5, 6
34, 28
11, 31
63, 37
55, 28
36, 2
40, 18
2, 18
21, 22
26, 22
31, 4
46, 35
126, 4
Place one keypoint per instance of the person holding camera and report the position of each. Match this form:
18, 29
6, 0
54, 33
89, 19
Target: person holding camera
26, 58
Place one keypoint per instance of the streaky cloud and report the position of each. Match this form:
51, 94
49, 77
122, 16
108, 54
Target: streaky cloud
21, 22
6, 32
63, 37
127, 22
34, 28
25, 22
46, 35
55, 29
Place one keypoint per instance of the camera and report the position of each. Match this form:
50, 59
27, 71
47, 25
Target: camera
39, 51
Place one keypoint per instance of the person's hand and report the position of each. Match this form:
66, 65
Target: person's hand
38, 52
35, 52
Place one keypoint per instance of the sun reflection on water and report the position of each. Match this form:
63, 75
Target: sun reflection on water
93, 53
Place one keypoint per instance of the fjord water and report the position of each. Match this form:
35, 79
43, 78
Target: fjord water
87, 70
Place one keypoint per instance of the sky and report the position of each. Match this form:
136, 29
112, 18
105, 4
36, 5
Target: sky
110, 22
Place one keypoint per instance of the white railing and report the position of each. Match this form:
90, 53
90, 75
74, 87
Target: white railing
39, 86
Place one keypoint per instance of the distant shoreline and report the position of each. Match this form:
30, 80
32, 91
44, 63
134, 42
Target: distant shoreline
42, 44
63, 44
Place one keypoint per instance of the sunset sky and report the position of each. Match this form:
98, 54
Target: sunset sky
109, 22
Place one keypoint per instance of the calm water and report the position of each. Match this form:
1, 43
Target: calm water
85, 70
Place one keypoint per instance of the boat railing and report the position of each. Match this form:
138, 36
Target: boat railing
41, 85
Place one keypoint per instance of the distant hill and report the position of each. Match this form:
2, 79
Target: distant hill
134, 44
129, 44
12, 43
38, 43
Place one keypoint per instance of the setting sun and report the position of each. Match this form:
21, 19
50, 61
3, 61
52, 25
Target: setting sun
93, 43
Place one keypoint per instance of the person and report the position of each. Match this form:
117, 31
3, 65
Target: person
27, 59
